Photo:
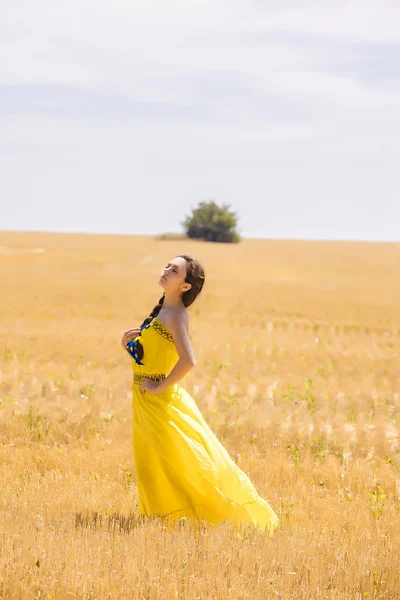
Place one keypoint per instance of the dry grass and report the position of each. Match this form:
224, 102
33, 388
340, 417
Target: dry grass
298, 374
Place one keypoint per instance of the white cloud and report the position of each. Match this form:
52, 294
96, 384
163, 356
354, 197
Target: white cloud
181, 100
355, 21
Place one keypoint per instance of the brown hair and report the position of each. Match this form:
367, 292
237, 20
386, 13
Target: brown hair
195, 276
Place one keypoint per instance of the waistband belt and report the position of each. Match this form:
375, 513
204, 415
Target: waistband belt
137, 377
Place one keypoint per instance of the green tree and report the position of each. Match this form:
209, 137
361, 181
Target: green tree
212, 223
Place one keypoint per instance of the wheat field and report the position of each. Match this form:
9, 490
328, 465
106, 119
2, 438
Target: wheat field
297, 346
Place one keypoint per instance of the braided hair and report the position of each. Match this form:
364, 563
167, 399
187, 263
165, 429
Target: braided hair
196, 277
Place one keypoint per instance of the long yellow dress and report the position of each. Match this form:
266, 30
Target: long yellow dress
182, 470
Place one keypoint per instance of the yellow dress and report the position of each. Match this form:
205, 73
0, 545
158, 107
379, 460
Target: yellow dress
182, 470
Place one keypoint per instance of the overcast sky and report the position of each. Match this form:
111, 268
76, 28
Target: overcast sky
121, 116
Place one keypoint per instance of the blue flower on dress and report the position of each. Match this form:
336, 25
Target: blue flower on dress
131, 346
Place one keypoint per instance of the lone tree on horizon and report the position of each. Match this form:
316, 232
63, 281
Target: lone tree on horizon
212, 223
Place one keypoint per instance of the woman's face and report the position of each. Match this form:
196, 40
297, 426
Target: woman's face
173, 275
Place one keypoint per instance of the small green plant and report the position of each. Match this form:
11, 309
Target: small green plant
322, 344
395, 461
294, 451
107, 416
59, 383
351, 416
320, 449
87, 390
9, 354
39, 426
308, 394
4, 401
289, 393
127, 478
285, 510
376, 497
378, 580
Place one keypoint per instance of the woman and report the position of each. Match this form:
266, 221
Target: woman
182, 470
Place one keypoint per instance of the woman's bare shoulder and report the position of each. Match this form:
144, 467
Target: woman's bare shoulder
177, 318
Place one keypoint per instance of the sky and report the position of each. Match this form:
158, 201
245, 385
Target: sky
121, 116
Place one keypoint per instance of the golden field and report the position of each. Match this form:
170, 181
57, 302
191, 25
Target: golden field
298, 374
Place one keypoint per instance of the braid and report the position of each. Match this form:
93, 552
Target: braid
147, 321
154, 312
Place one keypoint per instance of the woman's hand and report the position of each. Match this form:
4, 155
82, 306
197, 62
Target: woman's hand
129, 335
149, 385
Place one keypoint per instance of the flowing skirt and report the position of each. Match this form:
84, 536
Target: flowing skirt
182, 470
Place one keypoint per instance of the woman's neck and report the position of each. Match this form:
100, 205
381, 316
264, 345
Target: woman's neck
173, 303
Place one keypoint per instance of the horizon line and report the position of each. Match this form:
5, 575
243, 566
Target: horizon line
177, 233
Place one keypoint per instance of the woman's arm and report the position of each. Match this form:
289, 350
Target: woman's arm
177, 325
